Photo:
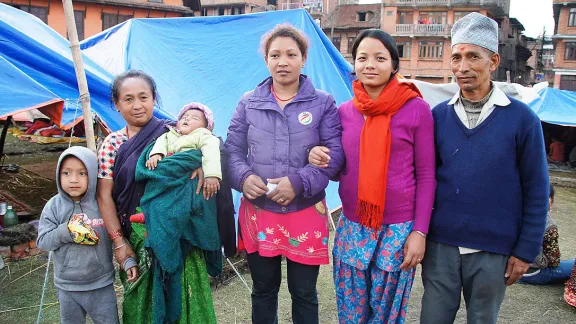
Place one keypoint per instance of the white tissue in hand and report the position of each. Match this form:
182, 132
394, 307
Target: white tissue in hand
271, 187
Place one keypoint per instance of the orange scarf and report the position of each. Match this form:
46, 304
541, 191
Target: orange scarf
375, 143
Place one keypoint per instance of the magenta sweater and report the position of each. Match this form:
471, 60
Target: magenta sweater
411, 172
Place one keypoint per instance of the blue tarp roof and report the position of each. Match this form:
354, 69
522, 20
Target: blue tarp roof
29, 94
556, 106
214, 60
39, 63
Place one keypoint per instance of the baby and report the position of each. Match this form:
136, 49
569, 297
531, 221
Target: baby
193, 132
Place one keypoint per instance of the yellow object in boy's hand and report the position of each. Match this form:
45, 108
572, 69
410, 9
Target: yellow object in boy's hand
81, 232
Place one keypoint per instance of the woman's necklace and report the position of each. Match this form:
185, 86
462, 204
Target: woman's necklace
278, 98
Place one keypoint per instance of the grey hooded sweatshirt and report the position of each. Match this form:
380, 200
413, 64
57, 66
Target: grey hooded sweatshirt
77, 267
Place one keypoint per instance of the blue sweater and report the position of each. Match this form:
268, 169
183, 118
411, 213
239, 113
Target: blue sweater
493, 183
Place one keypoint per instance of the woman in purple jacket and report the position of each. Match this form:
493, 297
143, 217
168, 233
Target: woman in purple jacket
387, 186
283, 211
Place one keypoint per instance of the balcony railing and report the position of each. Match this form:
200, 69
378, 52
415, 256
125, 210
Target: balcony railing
218, 2
415, 3
291, 5
312, 6
563, 2
423, 30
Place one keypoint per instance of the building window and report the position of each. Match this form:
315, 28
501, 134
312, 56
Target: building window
237, 11
405, 18
431, 50
39, 12
350, 44
428, 18
111, 20
361, 16
460, 14
570, 52
568, 82
389, 13
79, 18
221, 11
204, 12
336, 42
572, 18
404, 49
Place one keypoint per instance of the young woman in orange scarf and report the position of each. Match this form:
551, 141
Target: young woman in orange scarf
387, 186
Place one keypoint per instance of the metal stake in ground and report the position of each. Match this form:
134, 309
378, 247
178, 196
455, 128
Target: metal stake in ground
80, 73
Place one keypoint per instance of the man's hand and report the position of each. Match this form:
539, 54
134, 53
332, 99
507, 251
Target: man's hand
152, 162
515, 270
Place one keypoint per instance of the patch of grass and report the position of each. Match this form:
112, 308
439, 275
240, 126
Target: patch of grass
523, 303
27, 291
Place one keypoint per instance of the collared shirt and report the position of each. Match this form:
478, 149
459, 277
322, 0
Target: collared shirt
498, 98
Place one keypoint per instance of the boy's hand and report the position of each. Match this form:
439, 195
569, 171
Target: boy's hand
132, 274
211, 186
152, 162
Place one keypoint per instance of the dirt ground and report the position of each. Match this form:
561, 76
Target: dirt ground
523, 303
21, 282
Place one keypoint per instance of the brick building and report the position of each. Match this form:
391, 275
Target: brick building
231, 7
564, 40
542, 59
94, 16
422, 30
319, 9
514, 52
345, 23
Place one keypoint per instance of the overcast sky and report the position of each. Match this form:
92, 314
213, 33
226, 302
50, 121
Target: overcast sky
533, 14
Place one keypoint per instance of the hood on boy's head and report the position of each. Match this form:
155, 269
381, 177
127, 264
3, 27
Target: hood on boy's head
90, 163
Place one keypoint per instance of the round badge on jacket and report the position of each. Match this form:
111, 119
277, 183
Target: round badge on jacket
305, 118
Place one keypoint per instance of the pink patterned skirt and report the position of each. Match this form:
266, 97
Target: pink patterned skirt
300, 236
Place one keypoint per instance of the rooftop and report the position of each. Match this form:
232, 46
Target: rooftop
188, 7
350, 16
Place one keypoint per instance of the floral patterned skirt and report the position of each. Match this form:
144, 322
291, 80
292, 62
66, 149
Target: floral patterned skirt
570, 290
300, 236
370, 286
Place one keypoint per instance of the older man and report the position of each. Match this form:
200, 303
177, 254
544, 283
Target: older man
491, 200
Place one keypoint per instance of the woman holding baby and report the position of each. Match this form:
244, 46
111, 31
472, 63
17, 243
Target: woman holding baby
283, 210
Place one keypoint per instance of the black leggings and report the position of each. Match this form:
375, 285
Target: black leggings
266, 278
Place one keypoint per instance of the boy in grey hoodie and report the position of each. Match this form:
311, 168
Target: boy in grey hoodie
83, 269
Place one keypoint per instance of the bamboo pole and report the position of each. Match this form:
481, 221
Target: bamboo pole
80, 73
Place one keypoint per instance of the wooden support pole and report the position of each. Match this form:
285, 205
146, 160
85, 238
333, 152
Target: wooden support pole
80, 73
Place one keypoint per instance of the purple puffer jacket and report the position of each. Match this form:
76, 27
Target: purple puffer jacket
273, 143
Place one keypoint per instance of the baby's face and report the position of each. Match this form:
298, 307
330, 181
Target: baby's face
190, 121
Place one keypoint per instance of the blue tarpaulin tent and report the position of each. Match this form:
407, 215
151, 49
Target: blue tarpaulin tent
28, 94
556, 106
37, 71
214, 60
